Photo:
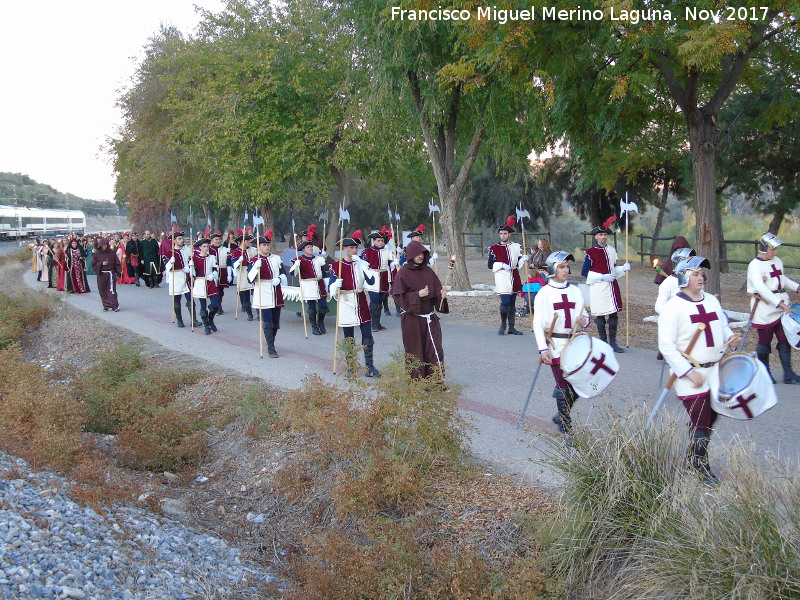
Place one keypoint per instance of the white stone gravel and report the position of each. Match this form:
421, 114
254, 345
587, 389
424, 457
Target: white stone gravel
50, 547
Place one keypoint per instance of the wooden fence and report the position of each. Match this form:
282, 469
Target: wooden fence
528, 236
729, 262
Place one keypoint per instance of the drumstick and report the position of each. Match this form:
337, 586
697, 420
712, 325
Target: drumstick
549, 336
673, 377
749, 323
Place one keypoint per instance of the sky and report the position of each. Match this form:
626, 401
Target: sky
62, 68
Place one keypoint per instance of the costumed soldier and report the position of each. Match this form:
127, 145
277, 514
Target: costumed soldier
204, 288
353, 307
310, 235
242, 256
601, 275
379, 259
765, 277
266, 274
505, 259
419, 292
416, 236
151, 263
669, 284
311, 271
221, 253
563, 301
697, 373
178, 269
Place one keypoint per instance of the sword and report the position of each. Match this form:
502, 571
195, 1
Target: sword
749, 323
673, 377
535, 376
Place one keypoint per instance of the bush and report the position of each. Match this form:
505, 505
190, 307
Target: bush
20, 312
637, 524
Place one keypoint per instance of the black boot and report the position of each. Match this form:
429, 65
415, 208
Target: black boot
785, 354
312, 317
698, 460
563, 408
512, 319
211, 314
206, 325
375, 313
503, 318
321, 319
177, 308
612, 333
368, 356
762, 352
601, 328
269, 335
189, 307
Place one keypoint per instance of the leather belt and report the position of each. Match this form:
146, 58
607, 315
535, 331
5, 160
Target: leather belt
561, 336
706, 365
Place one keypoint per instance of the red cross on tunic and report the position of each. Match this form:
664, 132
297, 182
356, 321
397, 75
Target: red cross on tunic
743, 402
566, 305
703, 317
776, 273
600, 363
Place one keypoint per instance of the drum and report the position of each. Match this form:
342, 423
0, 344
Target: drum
791, 325
589, 364
745, 387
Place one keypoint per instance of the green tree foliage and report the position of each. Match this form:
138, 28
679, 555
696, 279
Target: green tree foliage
32, 194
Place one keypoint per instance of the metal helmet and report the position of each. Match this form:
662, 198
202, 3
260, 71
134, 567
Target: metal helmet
686, 266
555, 259
768, 240
680, 254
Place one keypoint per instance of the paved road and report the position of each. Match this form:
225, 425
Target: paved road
495, 371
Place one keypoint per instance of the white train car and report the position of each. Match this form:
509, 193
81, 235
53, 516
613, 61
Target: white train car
18, 221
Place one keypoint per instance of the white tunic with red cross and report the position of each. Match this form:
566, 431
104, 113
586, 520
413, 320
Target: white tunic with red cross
677, 325
766, 278
565, 302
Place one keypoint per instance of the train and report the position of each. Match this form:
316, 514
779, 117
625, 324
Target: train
22, 222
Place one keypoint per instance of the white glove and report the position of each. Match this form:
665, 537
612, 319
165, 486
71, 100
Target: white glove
295, 266
626, 267
506, 267
230, 274
396, 263
362, 263
334, 288
215, 276
524, 258
435, 256
607, 277
170, 262
237, 264
256, 264
187, 269
283, 279
276, 281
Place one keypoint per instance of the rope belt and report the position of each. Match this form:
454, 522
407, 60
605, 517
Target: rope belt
428, 317
110, 282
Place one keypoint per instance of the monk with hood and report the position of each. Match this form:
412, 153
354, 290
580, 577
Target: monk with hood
108, 268
419, 293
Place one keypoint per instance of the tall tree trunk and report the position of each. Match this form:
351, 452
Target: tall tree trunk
662, 209
777, 220
702, 143
340, 176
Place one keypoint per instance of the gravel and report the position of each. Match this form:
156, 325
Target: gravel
50, 547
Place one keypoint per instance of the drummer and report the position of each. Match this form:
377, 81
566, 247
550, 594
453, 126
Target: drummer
765, 277
669, 286
697, 372
563, 301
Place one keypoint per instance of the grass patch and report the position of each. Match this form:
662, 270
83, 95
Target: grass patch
636, 524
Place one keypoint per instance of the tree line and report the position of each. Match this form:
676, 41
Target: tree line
25, 191
297, 108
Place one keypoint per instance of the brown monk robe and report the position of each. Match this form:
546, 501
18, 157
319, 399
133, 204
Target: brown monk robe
418, 292
108, 268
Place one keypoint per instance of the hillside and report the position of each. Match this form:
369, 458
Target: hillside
29, 192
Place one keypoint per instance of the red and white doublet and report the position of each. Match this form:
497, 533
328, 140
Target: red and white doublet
766, 278
353, 306
666, 290
221, 254
265, 294
312, 287
241, 266
178, 280
379, 260
505, 281
677, 325
565, 302
604, 296
203, 267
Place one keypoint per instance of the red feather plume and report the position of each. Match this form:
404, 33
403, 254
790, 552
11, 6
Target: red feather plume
421, 228
609, 221
312, 229
206, 233
248, 230
239, 232
384, 230
388, 234
356, 234
268, 235
510, 221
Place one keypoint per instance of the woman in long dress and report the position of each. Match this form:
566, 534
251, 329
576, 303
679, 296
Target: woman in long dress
122, 256
76, 268
60, 261
44, 262
89, 250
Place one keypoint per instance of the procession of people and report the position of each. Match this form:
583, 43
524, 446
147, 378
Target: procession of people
693, 330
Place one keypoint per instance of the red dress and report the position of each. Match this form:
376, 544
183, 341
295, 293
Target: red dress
121, 255
60, 261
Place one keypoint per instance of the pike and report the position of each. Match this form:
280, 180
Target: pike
673, 377
433, 209
343, 216
299, 279
627, 208
521, 214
